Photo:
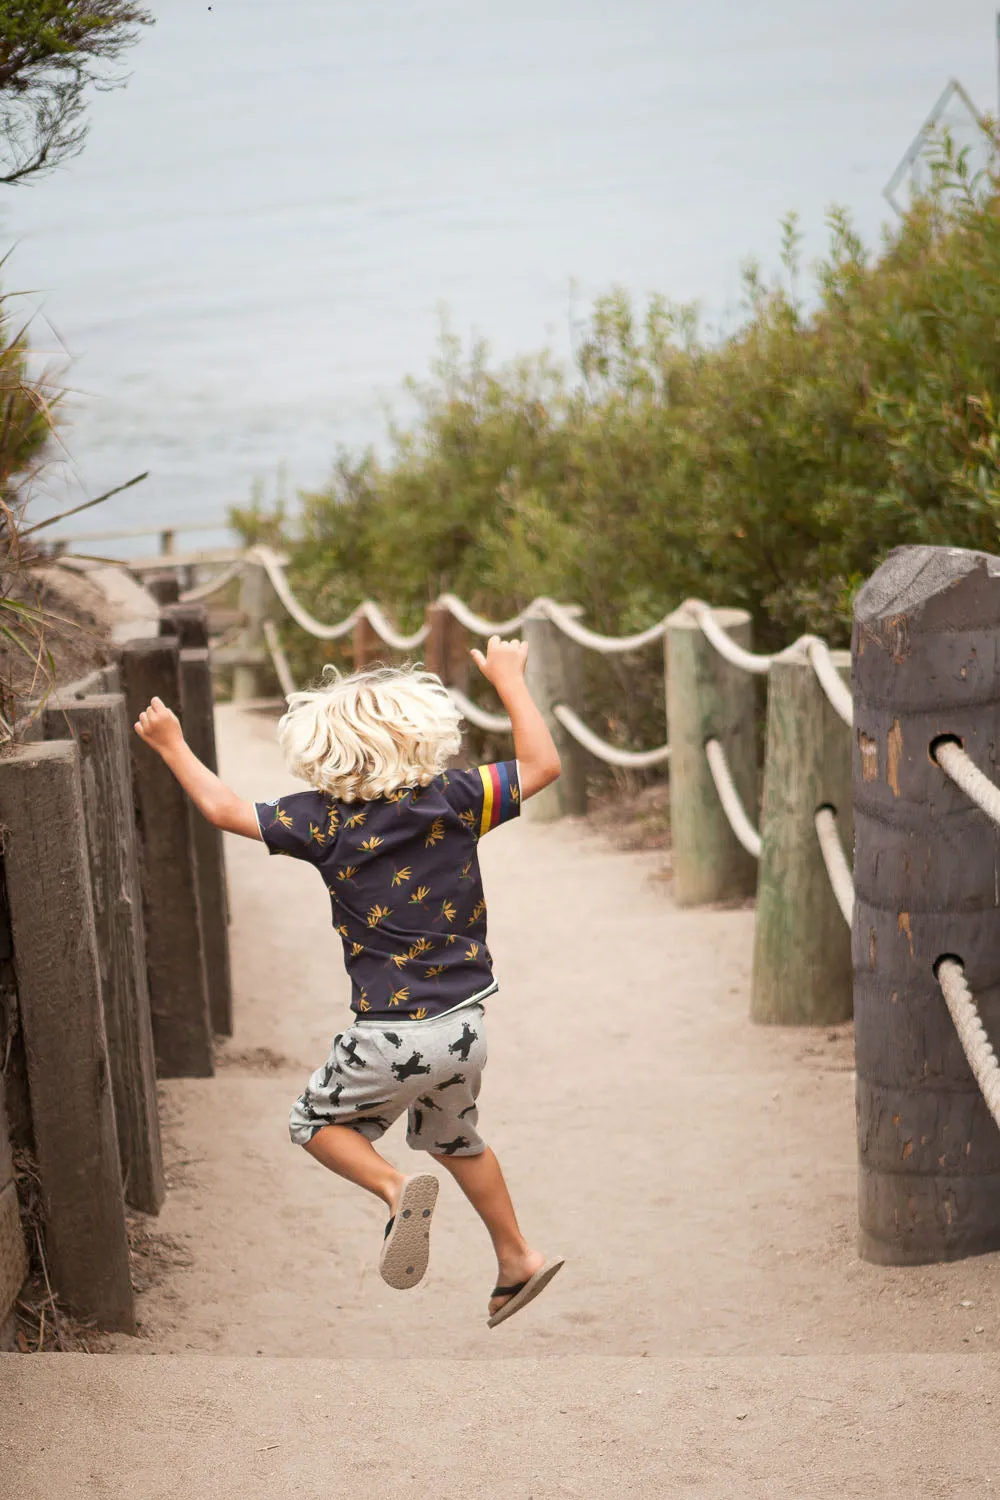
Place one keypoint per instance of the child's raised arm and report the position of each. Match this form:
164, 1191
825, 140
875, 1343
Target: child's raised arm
160, 729
537, 757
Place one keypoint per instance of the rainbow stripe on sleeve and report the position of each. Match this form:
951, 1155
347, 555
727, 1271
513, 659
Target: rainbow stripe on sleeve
498, 805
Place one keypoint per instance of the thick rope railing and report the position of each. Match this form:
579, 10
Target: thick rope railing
213, 585
279, 660
611, 755
968, 1024
604, 645
730, 798
480, 717
829, 678
749, 661
957, 765
835, 860
476, 624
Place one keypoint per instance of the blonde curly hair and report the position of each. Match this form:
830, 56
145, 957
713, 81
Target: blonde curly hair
367, 734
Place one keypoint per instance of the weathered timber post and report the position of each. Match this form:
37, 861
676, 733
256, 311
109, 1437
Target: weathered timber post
188, 622
709, 698
554, 674
198, 711
447, 653
366, 647
99, 726
13, 1256
802, 945
59, 999
164, 586
182, 1033
254, 602
926, 650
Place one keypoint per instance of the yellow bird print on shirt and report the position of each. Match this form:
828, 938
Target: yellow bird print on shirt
448, 911
334, 822
356, 820
341, 927
420, 947
515, 795
419, 896
468, 817
399, 995
400, 877
399, 959
370, 845
347, 872
280, 816
473, 951
451, 937
357, 948
364, 1003
479, 911
466, 871
419, 1014
316, 834
436, 833
434, 971
378, 914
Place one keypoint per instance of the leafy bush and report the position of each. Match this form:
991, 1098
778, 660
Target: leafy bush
773, 469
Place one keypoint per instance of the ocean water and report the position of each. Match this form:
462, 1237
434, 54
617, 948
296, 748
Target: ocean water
268, 224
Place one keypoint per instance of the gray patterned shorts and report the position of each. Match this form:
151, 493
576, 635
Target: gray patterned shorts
376, 1071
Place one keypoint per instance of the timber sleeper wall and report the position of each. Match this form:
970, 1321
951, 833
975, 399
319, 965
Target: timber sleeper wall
114, 904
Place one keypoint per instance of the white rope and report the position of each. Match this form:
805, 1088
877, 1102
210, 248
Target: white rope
837, 868
749, 661
367, 610
213, 585
279, 659
386, 632
498, 723
605, 645
830, 680
730, 798
976, 1045
476, 624
269, 561
964, 773
632, 760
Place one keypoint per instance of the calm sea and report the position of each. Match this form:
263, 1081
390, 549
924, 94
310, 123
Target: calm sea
267, 225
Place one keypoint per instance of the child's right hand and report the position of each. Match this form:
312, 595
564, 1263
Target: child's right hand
160, 728
503, 664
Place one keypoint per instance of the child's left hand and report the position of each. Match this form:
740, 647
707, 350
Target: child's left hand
160, 728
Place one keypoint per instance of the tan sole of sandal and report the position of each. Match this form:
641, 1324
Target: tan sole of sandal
406, 1249
527, 1293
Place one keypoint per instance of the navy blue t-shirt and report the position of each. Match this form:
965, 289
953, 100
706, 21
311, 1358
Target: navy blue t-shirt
404, 883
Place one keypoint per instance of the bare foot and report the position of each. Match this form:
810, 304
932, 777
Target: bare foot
513, 1270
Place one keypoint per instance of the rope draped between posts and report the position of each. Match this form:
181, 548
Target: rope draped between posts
829, 678
968, 1024
957, 765
730, 798
611, 755
749, 661
835, 860
213, 585
480, 717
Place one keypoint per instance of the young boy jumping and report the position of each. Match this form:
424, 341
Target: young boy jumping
394, 835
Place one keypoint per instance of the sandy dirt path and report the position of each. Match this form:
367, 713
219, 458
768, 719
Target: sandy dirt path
697, 1172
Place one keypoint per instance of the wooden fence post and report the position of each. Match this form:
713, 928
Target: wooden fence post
708, 697
182, 1032
13, 1256
59, 998
367, 648
198, 711
254, 591
554, 674
188, 622
100, 729
446, 652
164, 586
802, 945
925, 647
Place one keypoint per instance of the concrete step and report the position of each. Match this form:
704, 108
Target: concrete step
209, 1428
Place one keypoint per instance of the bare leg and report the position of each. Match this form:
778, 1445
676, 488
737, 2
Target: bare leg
352, 1155
482, 1182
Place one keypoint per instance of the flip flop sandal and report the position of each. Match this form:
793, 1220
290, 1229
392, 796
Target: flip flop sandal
524, 1292
406, 1250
